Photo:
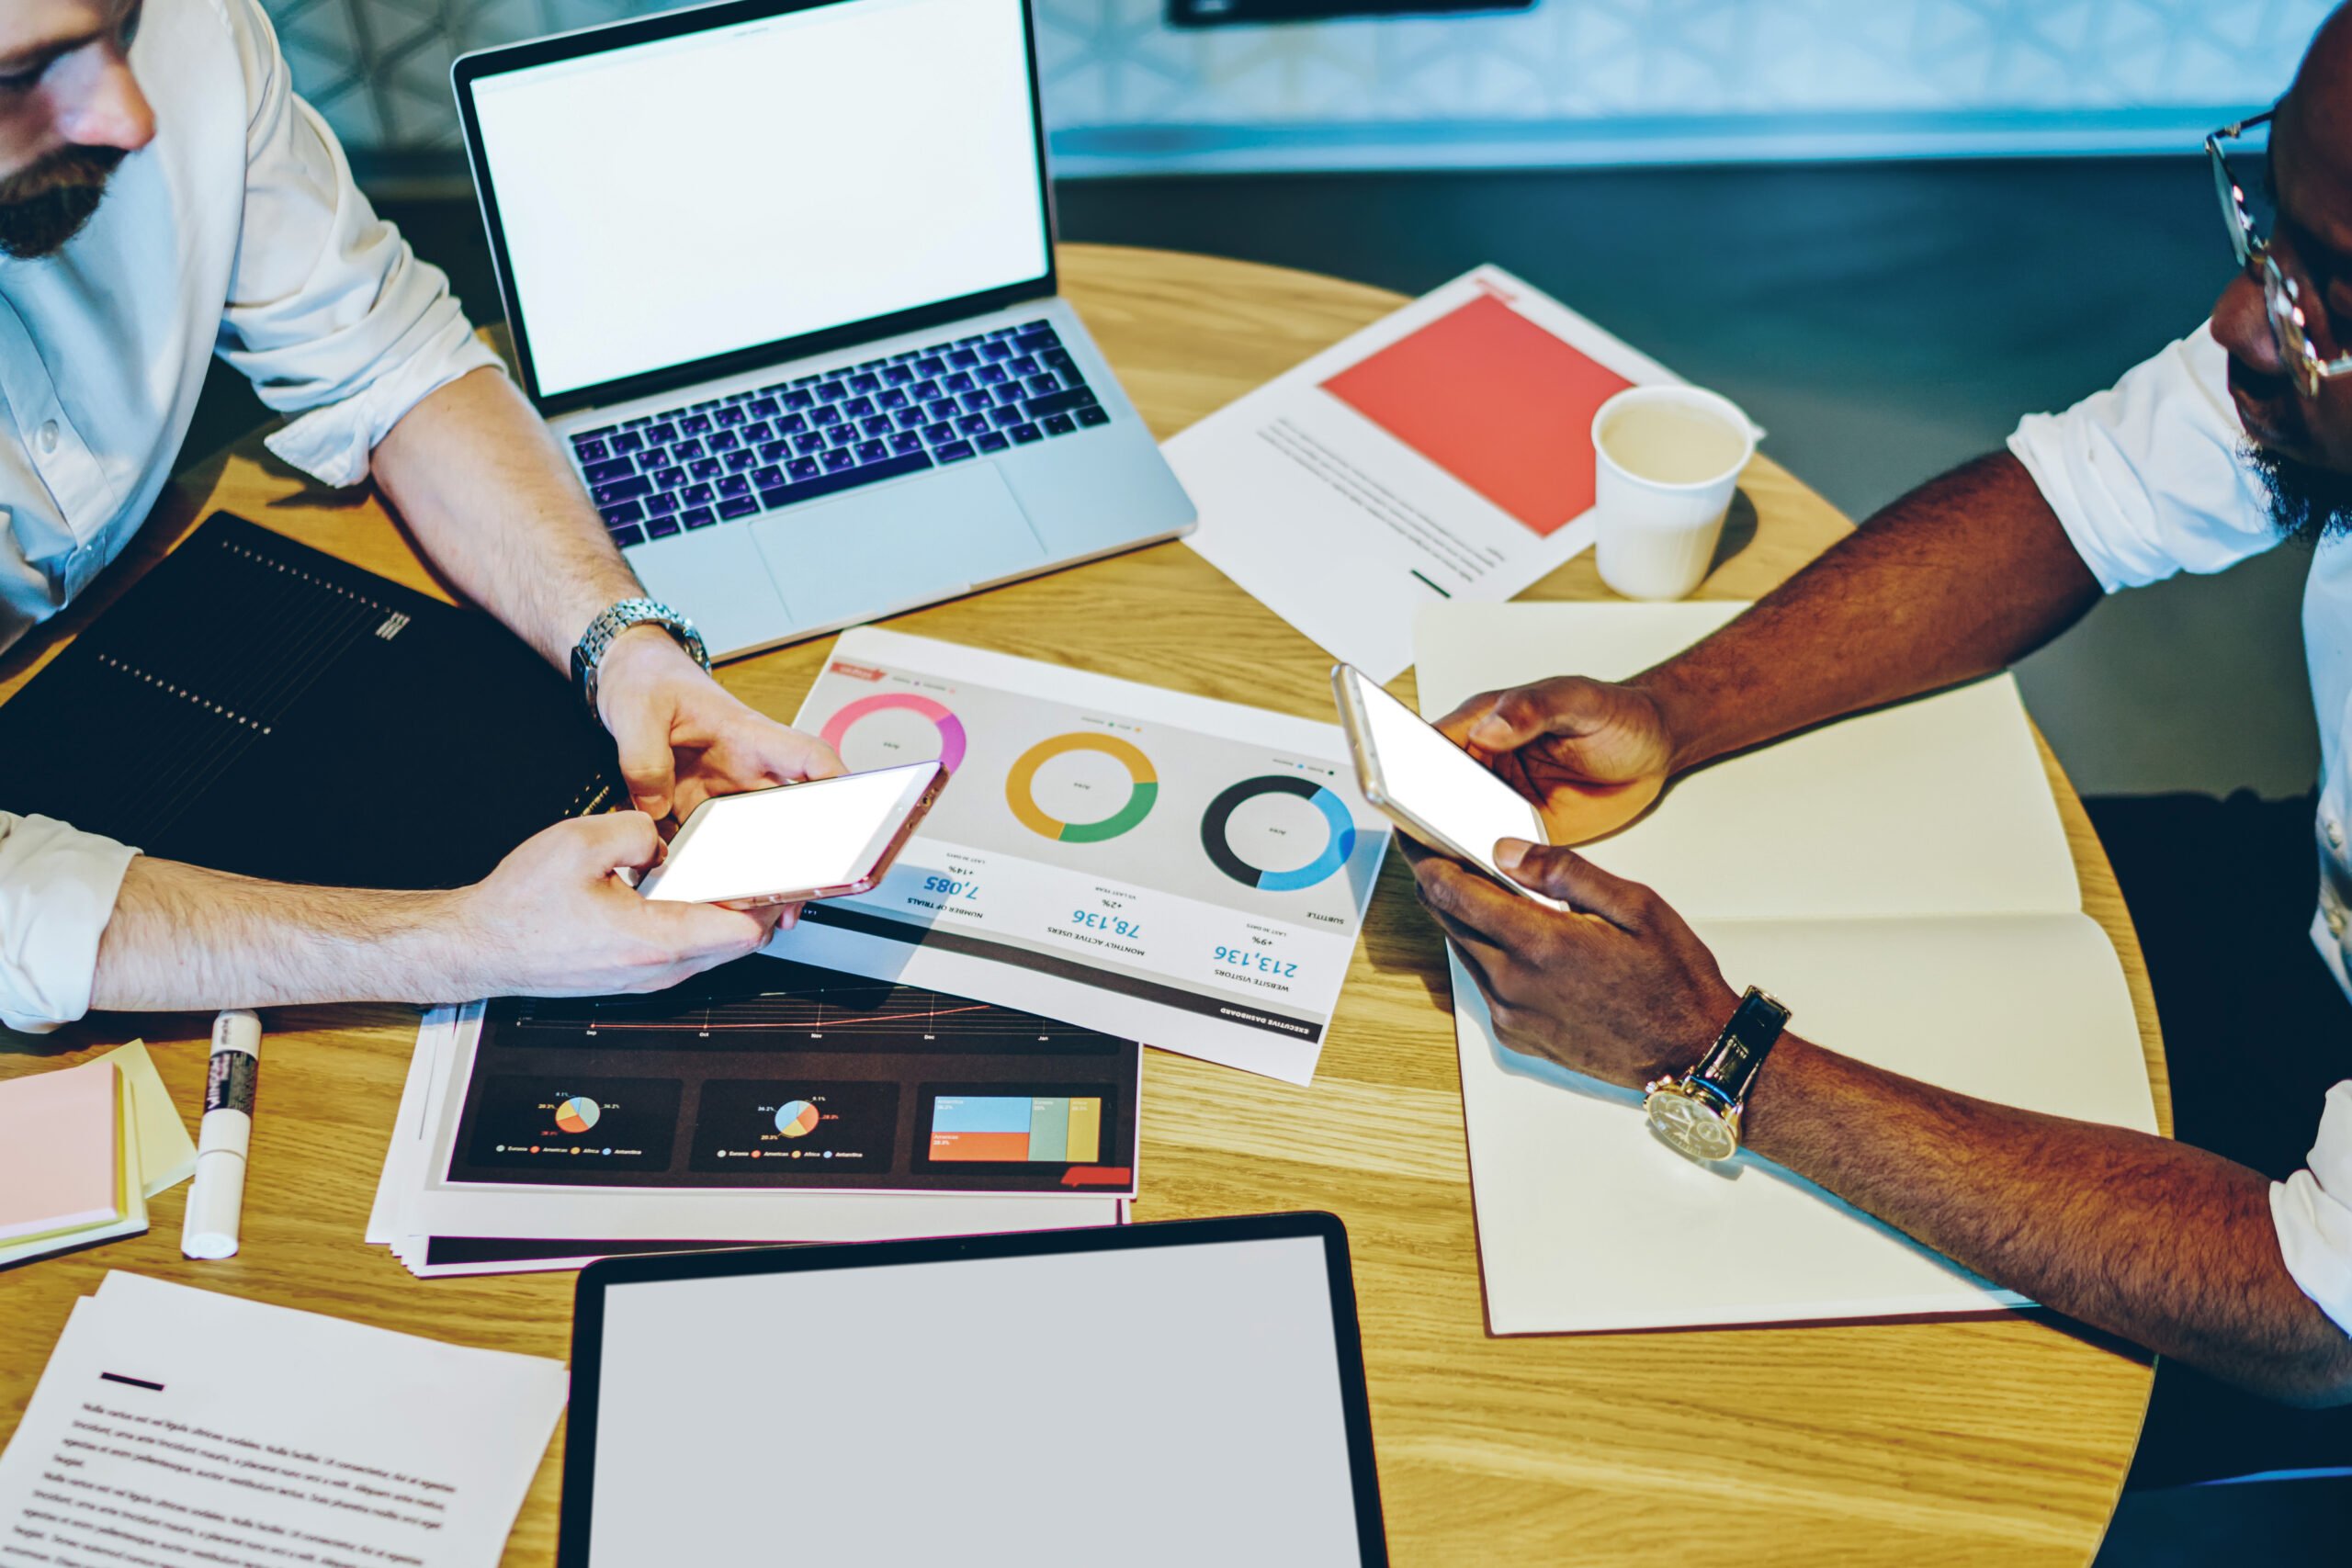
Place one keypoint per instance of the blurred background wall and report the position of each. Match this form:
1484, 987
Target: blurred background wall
1568, 82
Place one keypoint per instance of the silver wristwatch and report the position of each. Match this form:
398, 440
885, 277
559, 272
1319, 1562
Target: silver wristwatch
588, 653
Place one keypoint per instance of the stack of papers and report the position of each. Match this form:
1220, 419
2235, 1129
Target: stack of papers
82, 1149
767, 1102
1901, 880
178, 1426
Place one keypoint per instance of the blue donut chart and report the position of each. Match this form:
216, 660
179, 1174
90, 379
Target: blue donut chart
1340, 825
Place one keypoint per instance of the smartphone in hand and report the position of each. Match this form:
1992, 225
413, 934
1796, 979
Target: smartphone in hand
824, 839
1429, 786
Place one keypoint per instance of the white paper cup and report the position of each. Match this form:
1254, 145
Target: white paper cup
1660, 497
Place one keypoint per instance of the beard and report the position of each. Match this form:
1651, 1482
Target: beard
47, 202
2308, 504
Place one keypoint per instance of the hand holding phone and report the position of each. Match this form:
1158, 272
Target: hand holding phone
1429, 786
825, 838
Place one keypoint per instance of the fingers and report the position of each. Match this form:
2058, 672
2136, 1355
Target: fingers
706, 932
1473, 909
1574, 881
755, 753
1456, 726
647, 762
617, 838
1567, 706
818, 761
787, 755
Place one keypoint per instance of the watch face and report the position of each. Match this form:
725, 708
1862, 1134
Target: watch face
1693, 1130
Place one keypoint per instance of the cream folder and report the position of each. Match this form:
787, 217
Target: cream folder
1901, 880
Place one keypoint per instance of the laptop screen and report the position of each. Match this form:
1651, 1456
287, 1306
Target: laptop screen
667, 201
1177, 1404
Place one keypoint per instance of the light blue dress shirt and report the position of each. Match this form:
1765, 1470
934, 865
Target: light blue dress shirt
237, 231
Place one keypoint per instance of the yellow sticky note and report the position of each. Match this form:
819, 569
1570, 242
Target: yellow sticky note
166, 1154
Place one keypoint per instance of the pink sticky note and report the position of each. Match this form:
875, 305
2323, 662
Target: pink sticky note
60, 1163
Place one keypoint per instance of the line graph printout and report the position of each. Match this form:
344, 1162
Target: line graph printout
770, 1075
1160, 866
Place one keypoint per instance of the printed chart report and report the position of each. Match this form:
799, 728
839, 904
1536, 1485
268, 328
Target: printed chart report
1162, 867
1441, 454
771, 1075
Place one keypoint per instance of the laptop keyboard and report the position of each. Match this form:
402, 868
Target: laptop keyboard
728, 458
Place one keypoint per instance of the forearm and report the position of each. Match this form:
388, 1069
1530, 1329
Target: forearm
1959, 579
494, 505
183, 937
2163, 1244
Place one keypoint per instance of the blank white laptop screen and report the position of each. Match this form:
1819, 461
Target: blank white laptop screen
687, 197
1162, 1404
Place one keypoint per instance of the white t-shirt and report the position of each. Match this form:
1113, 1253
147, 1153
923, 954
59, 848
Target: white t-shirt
238, 230
2148, 480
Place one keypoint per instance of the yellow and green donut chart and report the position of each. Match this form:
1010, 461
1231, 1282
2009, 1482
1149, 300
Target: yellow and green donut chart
1019, 791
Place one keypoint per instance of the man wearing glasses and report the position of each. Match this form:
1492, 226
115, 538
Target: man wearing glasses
2230, 1250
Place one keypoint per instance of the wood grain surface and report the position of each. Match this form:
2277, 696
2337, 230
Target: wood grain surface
1988, 1440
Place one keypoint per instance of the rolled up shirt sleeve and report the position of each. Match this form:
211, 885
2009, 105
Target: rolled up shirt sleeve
2312, 1210
329, 314
57, 892
2147, 478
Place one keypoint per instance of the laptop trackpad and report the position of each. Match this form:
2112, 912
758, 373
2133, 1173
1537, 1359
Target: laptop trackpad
713, 574
883, 549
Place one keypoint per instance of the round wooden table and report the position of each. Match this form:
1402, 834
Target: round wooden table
1979, 1441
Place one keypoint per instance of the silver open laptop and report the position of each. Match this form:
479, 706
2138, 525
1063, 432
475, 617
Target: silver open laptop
781, 274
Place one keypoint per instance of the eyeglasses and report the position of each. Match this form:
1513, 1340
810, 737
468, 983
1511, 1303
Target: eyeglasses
2250, 221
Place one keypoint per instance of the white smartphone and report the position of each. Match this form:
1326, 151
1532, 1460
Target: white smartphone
1428, 785
825, 838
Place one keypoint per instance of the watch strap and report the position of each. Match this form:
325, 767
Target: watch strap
1728, 1069
588, 653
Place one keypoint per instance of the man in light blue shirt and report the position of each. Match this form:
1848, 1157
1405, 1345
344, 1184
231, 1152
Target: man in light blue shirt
164, 196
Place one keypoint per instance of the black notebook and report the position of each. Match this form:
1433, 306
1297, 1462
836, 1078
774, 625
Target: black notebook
255, 707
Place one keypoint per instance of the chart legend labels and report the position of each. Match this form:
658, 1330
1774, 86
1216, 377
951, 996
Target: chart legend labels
524, 1123
742, 1121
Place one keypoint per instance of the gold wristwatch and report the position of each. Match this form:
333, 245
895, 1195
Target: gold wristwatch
1697, 1115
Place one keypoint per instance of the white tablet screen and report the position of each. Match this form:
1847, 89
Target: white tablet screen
1163, 1404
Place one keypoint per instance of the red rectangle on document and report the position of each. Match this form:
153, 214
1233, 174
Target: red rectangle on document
1495, 401
980, 1145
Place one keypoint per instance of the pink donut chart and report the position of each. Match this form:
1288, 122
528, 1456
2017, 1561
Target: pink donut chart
950, 728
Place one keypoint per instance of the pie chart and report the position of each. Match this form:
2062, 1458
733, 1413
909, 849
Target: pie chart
950, 728
1338, 827
795, 1118
577, 1114
1020, 788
